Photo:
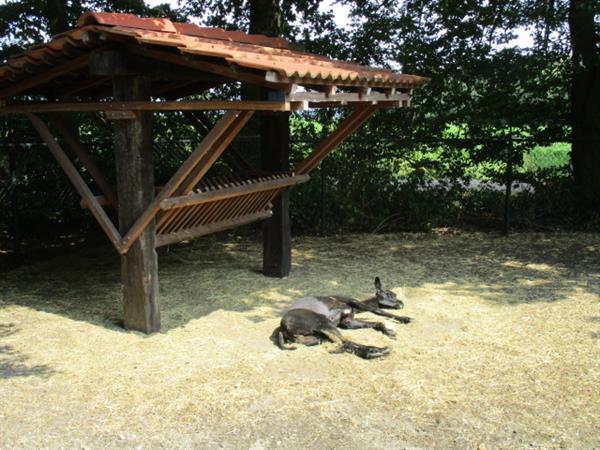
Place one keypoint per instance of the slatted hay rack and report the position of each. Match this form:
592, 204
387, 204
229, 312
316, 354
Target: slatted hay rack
128, 68
218, 204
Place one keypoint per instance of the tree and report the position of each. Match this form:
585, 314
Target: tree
585, 42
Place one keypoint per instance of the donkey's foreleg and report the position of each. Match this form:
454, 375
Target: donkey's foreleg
351, 323
359, 306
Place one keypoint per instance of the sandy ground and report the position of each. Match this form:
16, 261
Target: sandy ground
504, 351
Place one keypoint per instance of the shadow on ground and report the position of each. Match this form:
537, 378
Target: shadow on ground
13, 363
210, 274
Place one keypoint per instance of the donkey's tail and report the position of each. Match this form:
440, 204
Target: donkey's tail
346, 346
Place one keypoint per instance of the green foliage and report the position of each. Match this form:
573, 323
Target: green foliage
552, 157
409, 168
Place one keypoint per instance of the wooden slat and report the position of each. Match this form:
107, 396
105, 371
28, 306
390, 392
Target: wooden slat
196, 105
171, 238
45, 76
86, 159
222, 126
234, 191
77, 180
349, 125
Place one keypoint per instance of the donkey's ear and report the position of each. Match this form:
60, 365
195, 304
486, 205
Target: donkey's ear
377, 283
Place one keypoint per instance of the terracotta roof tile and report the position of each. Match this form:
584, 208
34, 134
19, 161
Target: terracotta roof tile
259, 52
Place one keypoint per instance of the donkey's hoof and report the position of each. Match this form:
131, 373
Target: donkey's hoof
390, 333
375, 352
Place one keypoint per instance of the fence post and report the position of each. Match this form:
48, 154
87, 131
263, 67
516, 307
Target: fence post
15, 229
323, 175
508, 177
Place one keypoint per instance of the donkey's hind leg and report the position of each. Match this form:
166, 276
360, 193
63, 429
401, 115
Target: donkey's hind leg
309, 341
350, 323
345, 346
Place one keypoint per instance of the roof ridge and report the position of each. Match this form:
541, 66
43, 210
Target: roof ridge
184, 28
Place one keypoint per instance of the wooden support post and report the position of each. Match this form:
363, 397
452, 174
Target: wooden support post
275, 152
135, 192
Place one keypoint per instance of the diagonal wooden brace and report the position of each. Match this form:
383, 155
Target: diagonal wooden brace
204, 156
85, 158
77, 180
347, 127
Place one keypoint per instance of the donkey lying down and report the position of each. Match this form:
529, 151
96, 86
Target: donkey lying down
309, 319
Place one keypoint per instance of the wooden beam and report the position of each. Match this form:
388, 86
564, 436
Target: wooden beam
235, 191
135, 187
76, 180
211, 156
380, 104
200, 105
86, 159
190, 233
348, 126
167, 191
202, 126
44, 76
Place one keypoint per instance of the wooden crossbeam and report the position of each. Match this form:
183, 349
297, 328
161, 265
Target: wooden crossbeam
44, 76
86, 159
200, 105
348, 126
229, 192
77, 180
206, 146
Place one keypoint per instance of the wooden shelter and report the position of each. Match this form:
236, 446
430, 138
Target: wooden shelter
127, 68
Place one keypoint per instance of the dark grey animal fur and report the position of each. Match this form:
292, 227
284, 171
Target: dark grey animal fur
310, 319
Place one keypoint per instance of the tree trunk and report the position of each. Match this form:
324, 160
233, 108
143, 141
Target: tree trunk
585, 98
266, 18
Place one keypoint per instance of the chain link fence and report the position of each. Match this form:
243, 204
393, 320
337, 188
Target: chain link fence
364, 186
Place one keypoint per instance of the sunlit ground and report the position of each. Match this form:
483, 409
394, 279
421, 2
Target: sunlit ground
504, 350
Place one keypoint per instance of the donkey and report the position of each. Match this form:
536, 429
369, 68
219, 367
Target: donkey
309, 319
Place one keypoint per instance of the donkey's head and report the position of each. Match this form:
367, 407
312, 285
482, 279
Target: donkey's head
386, 298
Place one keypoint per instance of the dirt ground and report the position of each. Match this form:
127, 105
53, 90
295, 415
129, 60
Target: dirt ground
504, 351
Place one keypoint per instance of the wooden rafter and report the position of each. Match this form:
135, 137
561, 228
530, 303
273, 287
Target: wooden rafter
76, 180
348, 126
45, 76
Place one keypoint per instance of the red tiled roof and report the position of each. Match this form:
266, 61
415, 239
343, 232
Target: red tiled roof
262, 53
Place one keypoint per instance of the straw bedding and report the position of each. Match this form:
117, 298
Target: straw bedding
504, 350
